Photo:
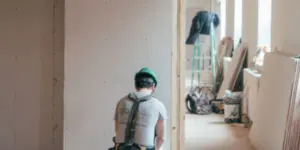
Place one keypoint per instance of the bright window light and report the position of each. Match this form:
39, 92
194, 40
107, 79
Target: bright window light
264, 22
264, 29
238, 12
223, 18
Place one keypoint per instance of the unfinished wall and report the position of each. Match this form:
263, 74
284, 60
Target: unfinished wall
30, 101
285, 29
106, 43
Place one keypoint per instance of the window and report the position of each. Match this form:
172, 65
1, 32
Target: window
264, 30
264, 23
238, 12
223, 18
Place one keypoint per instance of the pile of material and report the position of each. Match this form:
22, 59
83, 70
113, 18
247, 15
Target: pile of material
276, 120
234, 71
232, 106
198, 100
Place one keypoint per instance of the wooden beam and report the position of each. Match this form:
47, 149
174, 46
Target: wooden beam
178, 76
174, 82
181, 72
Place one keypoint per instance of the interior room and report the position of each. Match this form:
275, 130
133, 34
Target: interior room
65, 64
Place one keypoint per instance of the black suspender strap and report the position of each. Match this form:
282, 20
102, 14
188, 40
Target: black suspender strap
132, 119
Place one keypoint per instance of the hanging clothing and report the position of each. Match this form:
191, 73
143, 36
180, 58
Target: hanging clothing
201, 25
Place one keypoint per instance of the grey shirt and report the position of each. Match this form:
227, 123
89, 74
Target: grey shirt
148, 114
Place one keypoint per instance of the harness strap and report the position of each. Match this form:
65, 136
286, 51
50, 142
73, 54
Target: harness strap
131, 123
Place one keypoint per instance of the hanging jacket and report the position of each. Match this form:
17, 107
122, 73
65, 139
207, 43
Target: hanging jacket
201, 25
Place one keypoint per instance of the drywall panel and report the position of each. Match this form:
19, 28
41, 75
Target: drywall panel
275, 91
285, 33
27, 69
106, 43
251, 83
230, 75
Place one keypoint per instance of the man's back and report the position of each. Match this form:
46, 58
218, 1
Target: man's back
148, 114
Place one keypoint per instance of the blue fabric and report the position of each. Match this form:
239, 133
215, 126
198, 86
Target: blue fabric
201, 25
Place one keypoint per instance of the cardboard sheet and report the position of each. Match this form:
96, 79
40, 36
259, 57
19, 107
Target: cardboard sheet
233, 70
269, 120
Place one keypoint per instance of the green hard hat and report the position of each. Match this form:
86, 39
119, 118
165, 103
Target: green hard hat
147, 71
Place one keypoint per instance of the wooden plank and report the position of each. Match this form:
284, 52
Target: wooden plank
251, 86
174, 82
181, 72
292, 134
269, 120
234, 68
178, 77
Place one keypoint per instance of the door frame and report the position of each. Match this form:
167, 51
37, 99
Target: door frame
178, 76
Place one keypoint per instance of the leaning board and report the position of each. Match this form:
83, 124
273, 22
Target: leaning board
234, 68
269, 119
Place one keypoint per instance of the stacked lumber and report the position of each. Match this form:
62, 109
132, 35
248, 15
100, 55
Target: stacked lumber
273, 120
235, 66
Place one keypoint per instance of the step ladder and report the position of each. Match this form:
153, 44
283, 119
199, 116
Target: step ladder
210, 57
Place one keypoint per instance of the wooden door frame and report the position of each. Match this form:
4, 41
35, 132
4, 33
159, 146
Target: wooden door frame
178, 76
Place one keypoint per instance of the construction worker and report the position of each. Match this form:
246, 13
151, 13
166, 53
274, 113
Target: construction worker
150, 119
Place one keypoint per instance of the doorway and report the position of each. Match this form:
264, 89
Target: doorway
194, 132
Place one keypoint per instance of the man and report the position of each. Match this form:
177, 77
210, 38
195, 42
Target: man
151, 114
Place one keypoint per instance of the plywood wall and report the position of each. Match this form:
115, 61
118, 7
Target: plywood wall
31, 57
106, 43
285, 30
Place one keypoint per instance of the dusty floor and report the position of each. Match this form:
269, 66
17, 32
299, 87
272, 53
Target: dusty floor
209, 132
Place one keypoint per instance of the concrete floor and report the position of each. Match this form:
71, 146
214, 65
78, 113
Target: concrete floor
209, 132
